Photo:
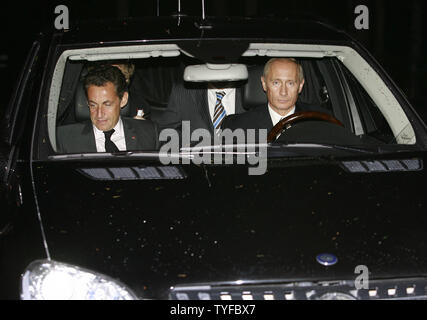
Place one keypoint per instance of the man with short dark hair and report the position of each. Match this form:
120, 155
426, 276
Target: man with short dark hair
106, 93
282, 81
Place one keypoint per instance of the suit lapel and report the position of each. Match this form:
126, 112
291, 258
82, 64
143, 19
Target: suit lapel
298, 108
88, 137
131, 137
265, 118
204, 110
238, 106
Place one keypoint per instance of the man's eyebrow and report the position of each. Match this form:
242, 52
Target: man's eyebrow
103, 102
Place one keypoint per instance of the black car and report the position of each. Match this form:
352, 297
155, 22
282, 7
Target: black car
338, 213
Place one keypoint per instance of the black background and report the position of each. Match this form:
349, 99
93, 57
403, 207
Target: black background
395, 37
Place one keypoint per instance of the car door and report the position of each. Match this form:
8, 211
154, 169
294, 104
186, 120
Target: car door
14, 124
18, 217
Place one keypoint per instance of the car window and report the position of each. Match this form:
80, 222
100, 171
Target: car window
373, 121
360, 102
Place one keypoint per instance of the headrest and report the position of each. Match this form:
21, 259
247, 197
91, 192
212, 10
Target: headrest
81, 109
253, 93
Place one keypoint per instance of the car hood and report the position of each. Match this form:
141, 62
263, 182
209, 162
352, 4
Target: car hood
217, 224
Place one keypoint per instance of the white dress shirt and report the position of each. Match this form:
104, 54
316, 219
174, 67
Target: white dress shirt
229, 100
118, 137
275, 117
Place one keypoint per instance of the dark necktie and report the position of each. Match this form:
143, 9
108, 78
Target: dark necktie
109, 145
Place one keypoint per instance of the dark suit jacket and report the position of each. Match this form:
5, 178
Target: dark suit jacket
259, 117
79, 137
136, 98
191, 105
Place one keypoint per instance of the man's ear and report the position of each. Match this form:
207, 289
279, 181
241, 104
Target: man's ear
301, 85
124, 100
264, 85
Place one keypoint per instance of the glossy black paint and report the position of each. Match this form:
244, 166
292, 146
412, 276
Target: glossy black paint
23, 241
169, 28
229, 226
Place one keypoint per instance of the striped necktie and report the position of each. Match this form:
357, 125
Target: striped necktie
219, 111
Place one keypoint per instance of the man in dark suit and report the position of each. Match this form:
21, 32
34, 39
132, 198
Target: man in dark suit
106, 131
282, 81
203, 107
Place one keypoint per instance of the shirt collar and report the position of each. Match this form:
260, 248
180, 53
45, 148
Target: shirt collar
117, 128
275, 117
227, 91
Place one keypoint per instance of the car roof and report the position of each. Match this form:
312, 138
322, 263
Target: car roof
297, 30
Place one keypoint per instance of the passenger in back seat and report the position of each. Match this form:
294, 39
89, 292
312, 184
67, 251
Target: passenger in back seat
204, 107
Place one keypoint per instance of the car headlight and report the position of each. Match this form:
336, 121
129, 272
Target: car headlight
50, 280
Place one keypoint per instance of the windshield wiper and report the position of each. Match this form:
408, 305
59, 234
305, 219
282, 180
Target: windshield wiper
224, 148
104, 155
355, 149
331, 146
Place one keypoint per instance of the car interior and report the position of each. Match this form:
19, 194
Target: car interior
329, 84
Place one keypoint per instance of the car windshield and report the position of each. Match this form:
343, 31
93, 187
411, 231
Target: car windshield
312, 101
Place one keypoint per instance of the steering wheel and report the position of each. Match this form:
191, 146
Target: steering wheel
287, 122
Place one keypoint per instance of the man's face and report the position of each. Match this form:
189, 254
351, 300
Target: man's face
104, 105
282, 86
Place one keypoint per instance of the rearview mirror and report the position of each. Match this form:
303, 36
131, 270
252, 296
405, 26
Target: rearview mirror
216, 73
